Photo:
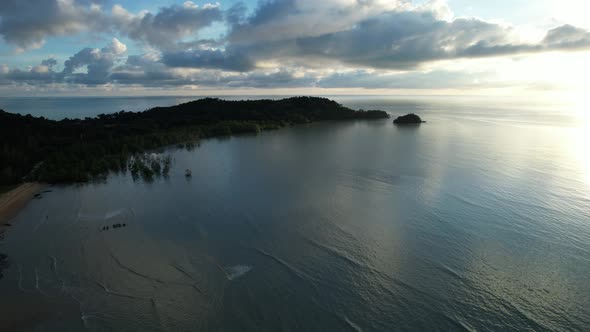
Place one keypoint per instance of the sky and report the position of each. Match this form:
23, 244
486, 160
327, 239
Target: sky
428, 47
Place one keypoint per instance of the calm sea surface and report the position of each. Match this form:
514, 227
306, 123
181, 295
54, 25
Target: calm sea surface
476, 220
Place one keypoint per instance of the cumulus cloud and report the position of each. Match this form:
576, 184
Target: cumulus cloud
98, 62
281, 43
290, 19
35, 75
166, 28
26, 24
395, 39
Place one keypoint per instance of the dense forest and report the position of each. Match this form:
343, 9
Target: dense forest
76, 150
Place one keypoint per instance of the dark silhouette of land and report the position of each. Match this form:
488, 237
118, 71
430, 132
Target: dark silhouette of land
408, 119
77, 150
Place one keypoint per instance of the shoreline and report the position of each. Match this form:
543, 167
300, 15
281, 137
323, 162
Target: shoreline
11, 202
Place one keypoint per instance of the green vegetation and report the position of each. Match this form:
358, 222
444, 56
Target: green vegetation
75, 150
148, 166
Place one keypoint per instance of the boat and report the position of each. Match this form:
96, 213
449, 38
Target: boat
188, 173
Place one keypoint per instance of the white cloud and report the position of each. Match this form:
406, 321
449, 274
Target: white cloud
117, 47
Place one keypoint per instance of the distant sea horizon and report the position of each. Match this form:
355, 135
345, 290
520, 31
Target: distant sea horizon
60, 107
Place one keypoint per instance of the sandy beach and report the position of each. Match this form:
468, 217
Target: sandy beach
11, 202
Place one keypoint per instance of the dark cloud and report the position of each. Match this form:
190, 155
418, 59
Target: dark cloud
217, 59
396, 39
34, 76
262, 49
49, 62
405, 40
280, 79
146, 71
98, 63
166, 28
26, 23
236, 14
269, 11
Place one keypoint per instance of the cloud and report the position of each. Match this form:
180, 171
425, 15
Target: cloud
168, 26
49, 62
216, 59
281, 43
151, 72
436, 79
98, 62
567, 37
35, 75
267, 80
379, 34
290, 19
407, 39
26, 24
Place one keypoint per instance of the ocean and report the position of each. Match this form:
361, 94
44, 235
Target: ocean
478, 219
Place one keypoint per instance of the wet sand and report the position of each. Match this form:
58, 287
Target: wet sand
12, 201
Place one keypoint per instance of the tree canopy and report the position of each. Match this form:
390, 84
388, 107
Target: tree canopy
73, 150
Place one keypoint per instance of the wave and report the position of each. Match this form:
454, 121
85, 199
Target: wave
237, 271
110, 292
20, 279
295, 271
37, 284
337, 253
182, 271
449, 271
117, 213
351, 324
467, 201
358, 265
194, 283
132, 271
457, 323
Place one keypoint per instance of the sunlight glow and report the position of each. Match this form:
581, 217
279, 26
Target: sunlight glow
574, 12
551, 71
580, 135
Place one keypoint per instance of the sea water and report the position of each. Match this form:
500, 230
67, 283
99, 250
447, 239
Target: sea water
478, 219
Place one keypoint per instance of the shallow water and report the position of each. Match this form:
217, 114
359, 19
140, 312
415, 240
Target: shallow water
476, 220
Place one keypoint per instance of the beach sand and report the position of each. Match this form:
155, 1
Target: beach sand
11, 202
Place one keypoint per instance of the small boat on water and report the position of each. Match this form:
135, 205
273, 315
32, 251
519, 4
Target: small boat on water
188, 173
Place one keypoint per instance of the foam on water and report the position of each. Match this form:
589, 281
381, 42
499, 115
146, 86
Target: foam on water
352, 324
234, 272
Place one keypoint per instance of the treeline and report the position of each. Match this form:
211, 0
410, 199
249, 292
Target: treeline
76, 150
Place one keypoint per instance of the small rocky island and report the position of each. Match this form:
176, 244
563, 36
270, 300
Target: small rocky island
408, 119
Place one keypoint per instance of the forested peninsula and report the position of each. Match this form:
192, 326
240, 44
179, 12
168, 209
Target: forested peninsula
78, 150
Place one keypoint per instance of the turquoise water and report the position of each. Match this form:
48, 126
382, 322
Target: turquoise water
477, 220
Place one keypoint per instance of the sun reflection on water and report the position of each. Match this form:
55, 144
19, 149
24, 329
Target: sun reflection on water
578, 142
